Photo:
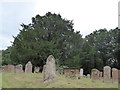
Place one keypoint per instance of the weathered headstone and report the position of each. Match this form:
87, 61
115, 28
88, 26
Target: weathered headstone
107, 74
114, 75
36, 69
49, 70
28, 67
18, 69
84, 76
3, 69
100, 75
81, 72
8, 68
88, 75
118, 76
95, 75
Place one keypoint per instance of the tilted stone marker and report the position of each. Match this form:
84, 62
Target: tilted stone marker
95, 75
107, 74
114, 75
19, 68
49, 70
28, 67
36, 69
81, 72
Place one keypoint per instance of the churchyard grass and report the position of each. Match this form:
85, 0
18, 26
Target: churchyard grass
24, 80
0, 80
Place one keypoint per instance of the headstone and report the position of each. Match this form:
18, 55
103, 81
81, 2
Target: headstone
100, 75
118, 76
49, 70
8, 68
36, 69
84, 76
18, 69
114, 75
107, 74
81, 72
4, 69
28, 67
88, 75
94, 75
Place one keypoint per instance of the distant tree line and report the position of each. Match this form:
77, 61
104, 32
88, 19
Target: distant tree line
52, 35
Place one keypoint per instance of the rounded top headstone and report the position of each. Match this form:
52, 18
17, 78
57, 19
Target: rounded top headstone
107, 67
114, 69
51, 59
29, 63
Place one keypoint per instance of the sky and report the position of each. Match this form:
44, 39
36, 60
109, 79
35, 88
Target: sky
87, 15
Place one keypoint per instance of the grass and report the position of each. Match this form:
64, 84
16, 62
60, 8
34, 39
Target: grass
12, 80
0, 80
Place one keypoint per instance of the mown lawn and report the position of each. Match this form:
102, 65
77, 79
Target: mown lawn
10, 80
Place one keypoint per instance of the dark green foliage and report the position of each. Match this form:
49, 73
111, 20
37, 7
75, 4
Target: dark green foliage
106, 47
50, 34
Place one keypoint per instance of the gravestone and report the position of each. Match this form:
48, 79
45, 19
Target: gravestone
81, 72
36, 69
95, 75
107, 74
100, 75
3, 69
118, 76
18, 69
88, 75
114, 75
8, 68
84, 76
28, 67
49, 70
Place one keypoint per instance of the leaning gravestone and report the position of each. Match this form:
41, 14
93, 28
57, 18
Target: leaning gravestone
107, 74
18, 69
81, 72
114, 75
28, 67
95, 75
36, 69
49, 70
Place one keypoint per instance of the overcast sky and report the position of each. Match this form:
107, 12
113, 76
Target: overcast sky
87, 15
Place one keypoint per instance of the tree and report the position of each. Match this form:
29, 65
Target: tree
49, 34
105, 44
